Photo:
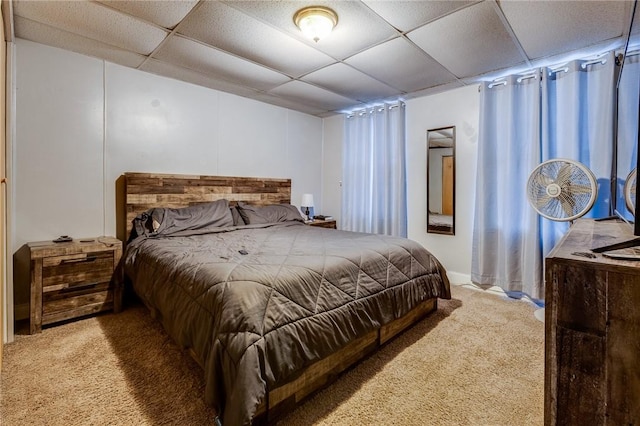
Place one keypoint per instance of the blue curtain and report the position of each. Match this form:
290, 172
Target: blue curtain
628, 94
505, 249
566, 113
374, 187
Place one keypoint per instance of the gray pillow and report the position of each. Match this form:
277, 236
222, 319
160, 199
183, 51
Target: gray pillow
274, 213
197, 217
237, 219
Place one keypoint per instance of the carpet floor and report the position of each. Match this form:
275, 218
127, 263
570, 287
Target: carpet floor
479, 360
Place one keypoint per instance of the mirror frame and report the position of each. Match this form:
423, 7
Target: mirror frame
432, 227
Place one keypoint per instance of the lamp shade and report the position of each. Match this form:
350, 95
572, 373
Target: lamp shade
307, 200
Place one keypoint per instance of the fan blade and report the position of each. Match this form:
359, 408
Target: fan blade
564, 174
567, 204
542, 180
580, 189
549, 171
542, 201
554, 209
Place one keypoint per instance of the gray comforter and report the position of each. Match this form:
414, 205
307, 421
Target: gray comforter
259, 303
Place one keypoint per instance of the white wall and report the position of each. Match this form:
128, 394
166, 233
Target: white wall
81, 122
332, 166
460, 108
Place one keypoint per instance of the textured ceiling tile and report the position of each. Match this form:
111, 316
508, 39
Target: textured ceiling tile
176, 72
469, 42
343, 79
401, 65
291, 104
221, 26
358, 27
35, 31
164, 13
548, 27
311, 95
407, 15
205, 59
436, 89
94, 21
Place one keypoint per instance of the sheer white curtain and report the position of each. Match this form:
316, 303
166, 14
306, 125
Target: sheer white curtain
505, 249
578, 110
522, 123
374, 190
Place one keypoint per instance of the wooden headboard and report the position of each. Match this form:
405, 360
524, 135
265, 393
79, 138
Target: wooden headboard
143, 191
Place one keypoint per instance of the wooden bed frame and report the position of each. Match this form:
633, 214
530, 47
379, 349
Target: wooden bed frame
143, 191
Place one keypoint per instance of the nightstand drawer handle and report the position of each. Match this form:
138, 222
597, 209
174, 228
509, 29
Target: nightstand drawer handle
82, 259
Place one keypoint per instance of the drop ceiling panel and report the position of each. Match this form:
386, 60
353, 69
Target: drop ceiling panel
167, 14
380, 49
218, 64
35, 31
358, 27
407, 15
290, 104
176, 72
546, 28
190, 76
343, 79
221, 26
307, 93
399, 64
469, 42
94, 21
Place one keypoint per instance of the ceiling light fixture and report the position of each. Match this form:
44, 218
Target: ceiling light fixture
316, 22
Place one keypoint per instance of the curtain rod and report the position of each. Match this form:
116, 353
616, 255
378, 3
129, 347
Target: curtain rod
562, 68
373, 109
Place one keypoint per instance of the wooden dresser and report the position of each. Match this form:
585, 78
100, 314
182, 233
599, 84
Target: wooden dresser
592, 330
73, 279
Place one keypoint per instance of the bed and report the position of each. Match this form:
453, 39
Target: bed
271, 308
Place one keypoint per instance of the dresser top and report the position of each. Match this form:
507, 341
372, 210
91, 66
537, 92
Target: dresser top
586, 234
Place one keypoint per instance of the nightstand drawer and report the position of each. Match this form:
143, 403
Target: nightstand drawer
76, 301
61, 272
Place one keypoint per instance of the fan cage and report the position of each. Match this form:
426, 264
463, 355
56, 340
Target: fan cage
630, 191
561, 189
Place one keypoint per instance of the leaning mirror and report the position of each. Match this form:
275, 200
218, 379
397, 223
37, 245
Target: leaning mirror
441, 172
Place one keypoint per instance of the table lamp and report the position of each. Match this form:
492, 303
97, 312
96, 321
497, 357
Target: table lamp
306, 204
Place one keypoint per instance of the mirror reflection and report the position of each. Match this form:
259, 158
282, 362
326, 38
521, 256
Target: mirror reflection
441, 145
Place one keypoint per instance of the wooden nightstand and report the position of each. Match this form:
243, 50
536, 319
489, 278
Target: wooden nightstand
323, 223
73, 279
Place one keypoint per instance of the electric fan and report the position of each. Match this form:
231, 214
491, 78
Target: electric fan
630, 191
561, 189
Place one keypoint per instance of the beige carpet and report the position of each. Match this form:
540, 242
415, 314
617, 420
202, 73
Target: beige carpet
478, 361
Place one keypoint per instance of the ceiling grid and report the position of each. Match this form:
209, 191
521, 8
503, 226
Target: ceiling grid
379, 50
